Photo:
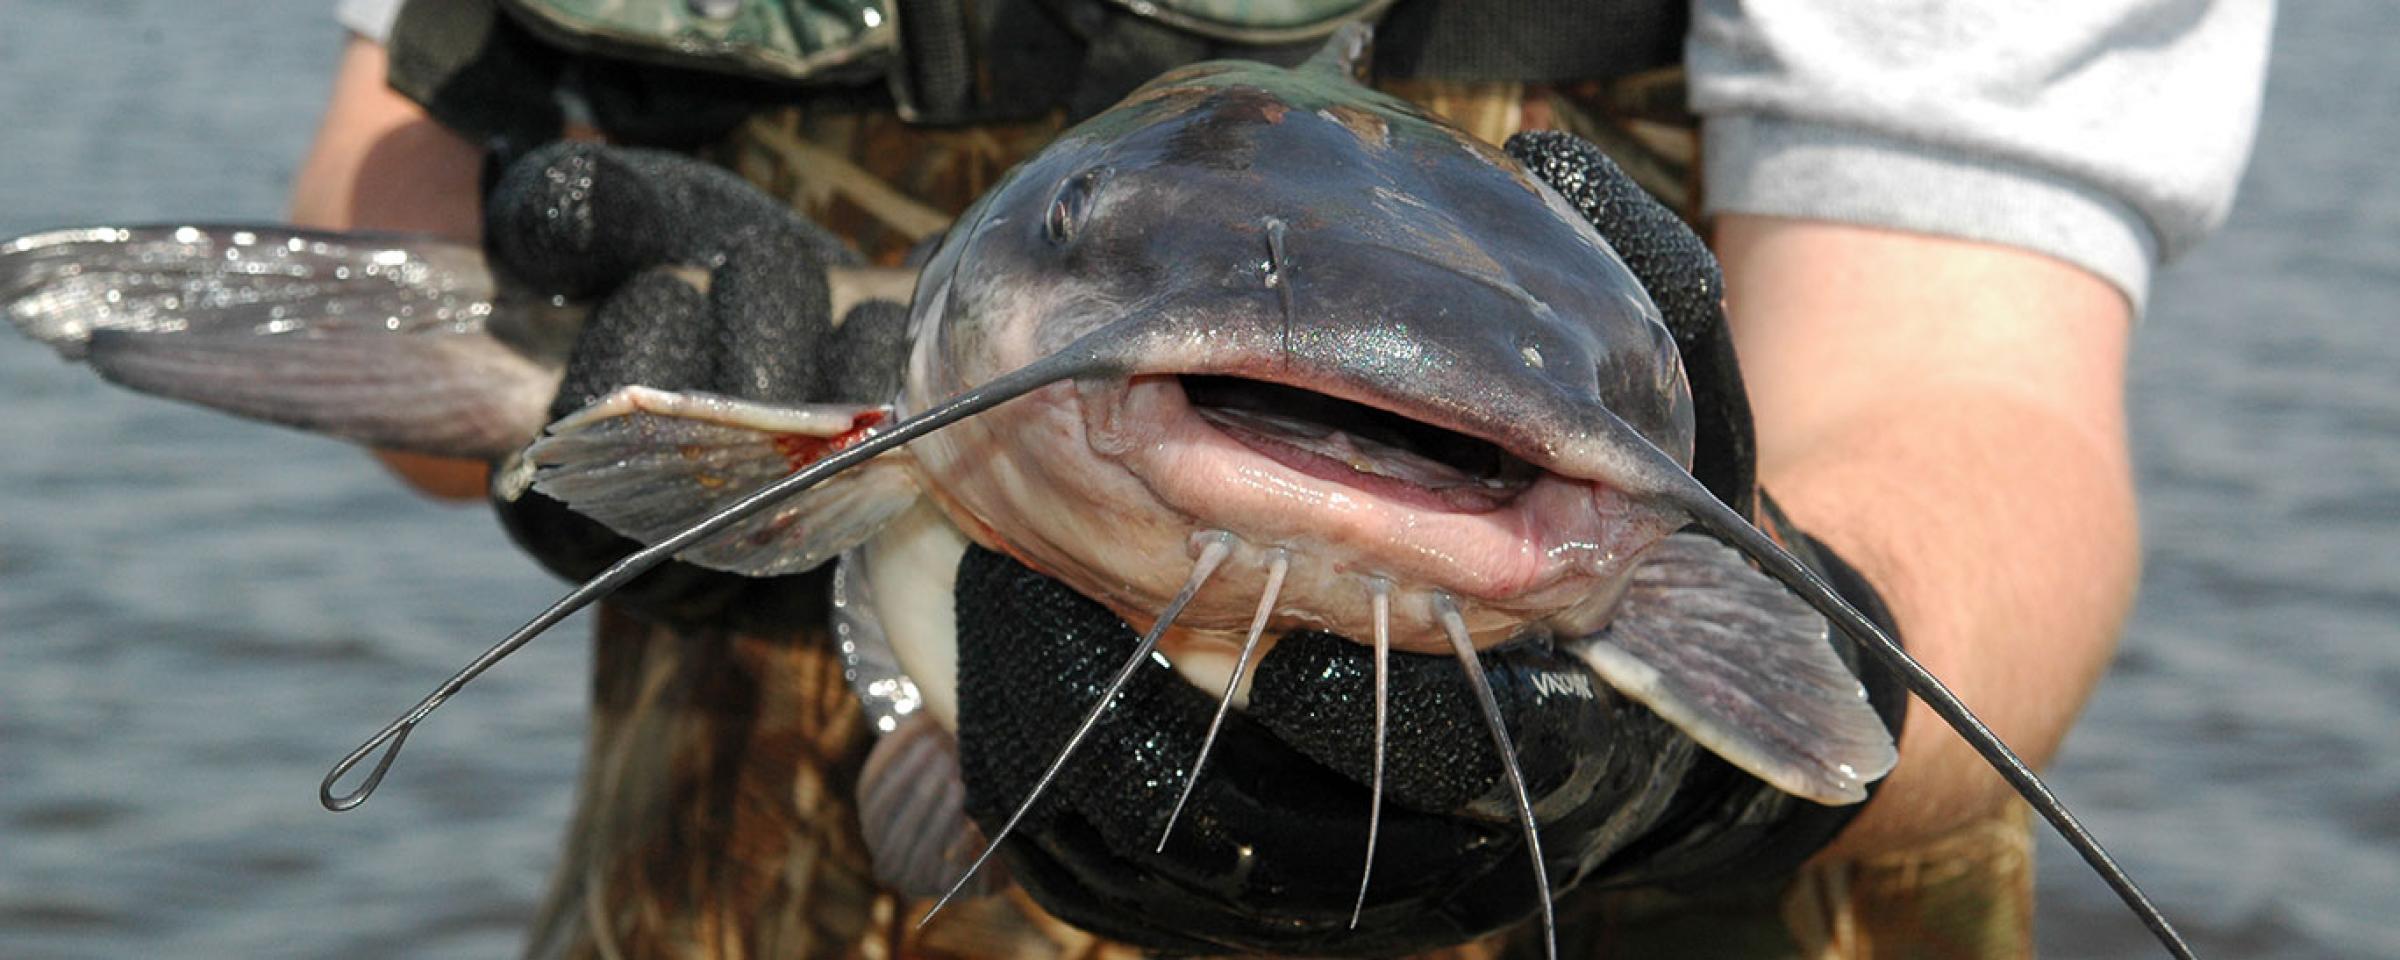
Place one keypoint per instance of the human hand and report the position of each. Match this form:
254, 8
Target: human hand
699, 283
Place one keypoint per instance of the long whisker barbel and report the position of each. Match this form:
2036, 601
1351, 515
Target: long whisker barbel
1464, 647
1727, 525
1213, 553
1083, 358
1279, 563
1668, 479
1383, 654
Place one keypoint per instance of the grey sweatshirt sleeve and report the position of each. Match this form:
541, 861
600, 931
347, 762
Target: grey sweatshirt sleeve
2107, 133
370, 19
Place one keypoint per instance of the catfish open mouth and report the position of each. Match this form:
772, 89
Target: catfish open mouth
1355, 488
1346, 442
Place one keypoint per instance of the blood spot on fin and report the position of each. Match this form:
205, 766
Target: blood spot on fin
800, 449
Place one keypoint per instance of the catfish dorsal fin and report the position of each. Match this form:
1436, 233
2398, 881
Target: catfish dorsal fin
1345, 51
391, 340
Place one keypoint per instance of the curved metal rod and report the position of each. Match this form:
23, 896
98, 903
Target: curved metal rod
1085, 357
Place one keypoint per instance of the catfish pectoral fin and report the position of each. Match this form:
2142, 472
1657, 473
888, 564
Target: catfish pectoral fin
1737, 663
912, 808
649, 463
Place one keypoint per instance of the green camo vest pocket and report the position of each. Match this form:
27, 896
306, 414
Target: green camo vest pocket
787, 40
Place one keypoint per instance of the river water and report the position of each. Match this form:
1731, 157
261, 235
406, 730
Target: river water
197, 614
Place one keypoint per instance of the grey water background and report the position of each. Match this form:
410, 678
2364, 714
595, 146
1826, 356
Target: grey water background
197, 615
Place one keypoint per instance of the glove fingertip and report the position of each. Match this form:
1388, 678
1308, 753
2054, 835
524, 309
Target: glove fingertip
772, 312
539, 222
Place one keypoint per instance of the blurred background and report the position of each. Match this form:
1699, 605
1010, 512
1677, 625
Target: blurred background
198, 615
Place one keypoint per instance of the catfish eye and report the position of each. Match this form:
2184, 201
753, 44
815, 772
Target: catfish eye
1072, 203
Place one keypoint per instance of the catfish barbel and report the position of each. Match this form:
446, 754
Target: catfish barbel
1259, 373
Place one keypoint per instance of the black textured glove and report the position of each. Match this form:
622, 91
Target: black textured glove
700, 283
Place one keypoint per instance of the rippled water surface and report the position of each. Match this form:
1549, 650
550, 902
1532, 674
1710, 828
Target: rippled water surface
197, 615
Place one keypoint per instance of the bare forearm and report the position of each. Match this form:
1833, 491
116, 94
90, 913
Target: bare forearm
1949, 417
380, 163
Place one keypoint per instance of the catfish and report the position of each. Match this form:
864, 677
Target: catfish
1256, 354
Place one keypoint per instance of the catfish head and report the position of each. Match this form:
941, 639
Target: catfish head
1343, 334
